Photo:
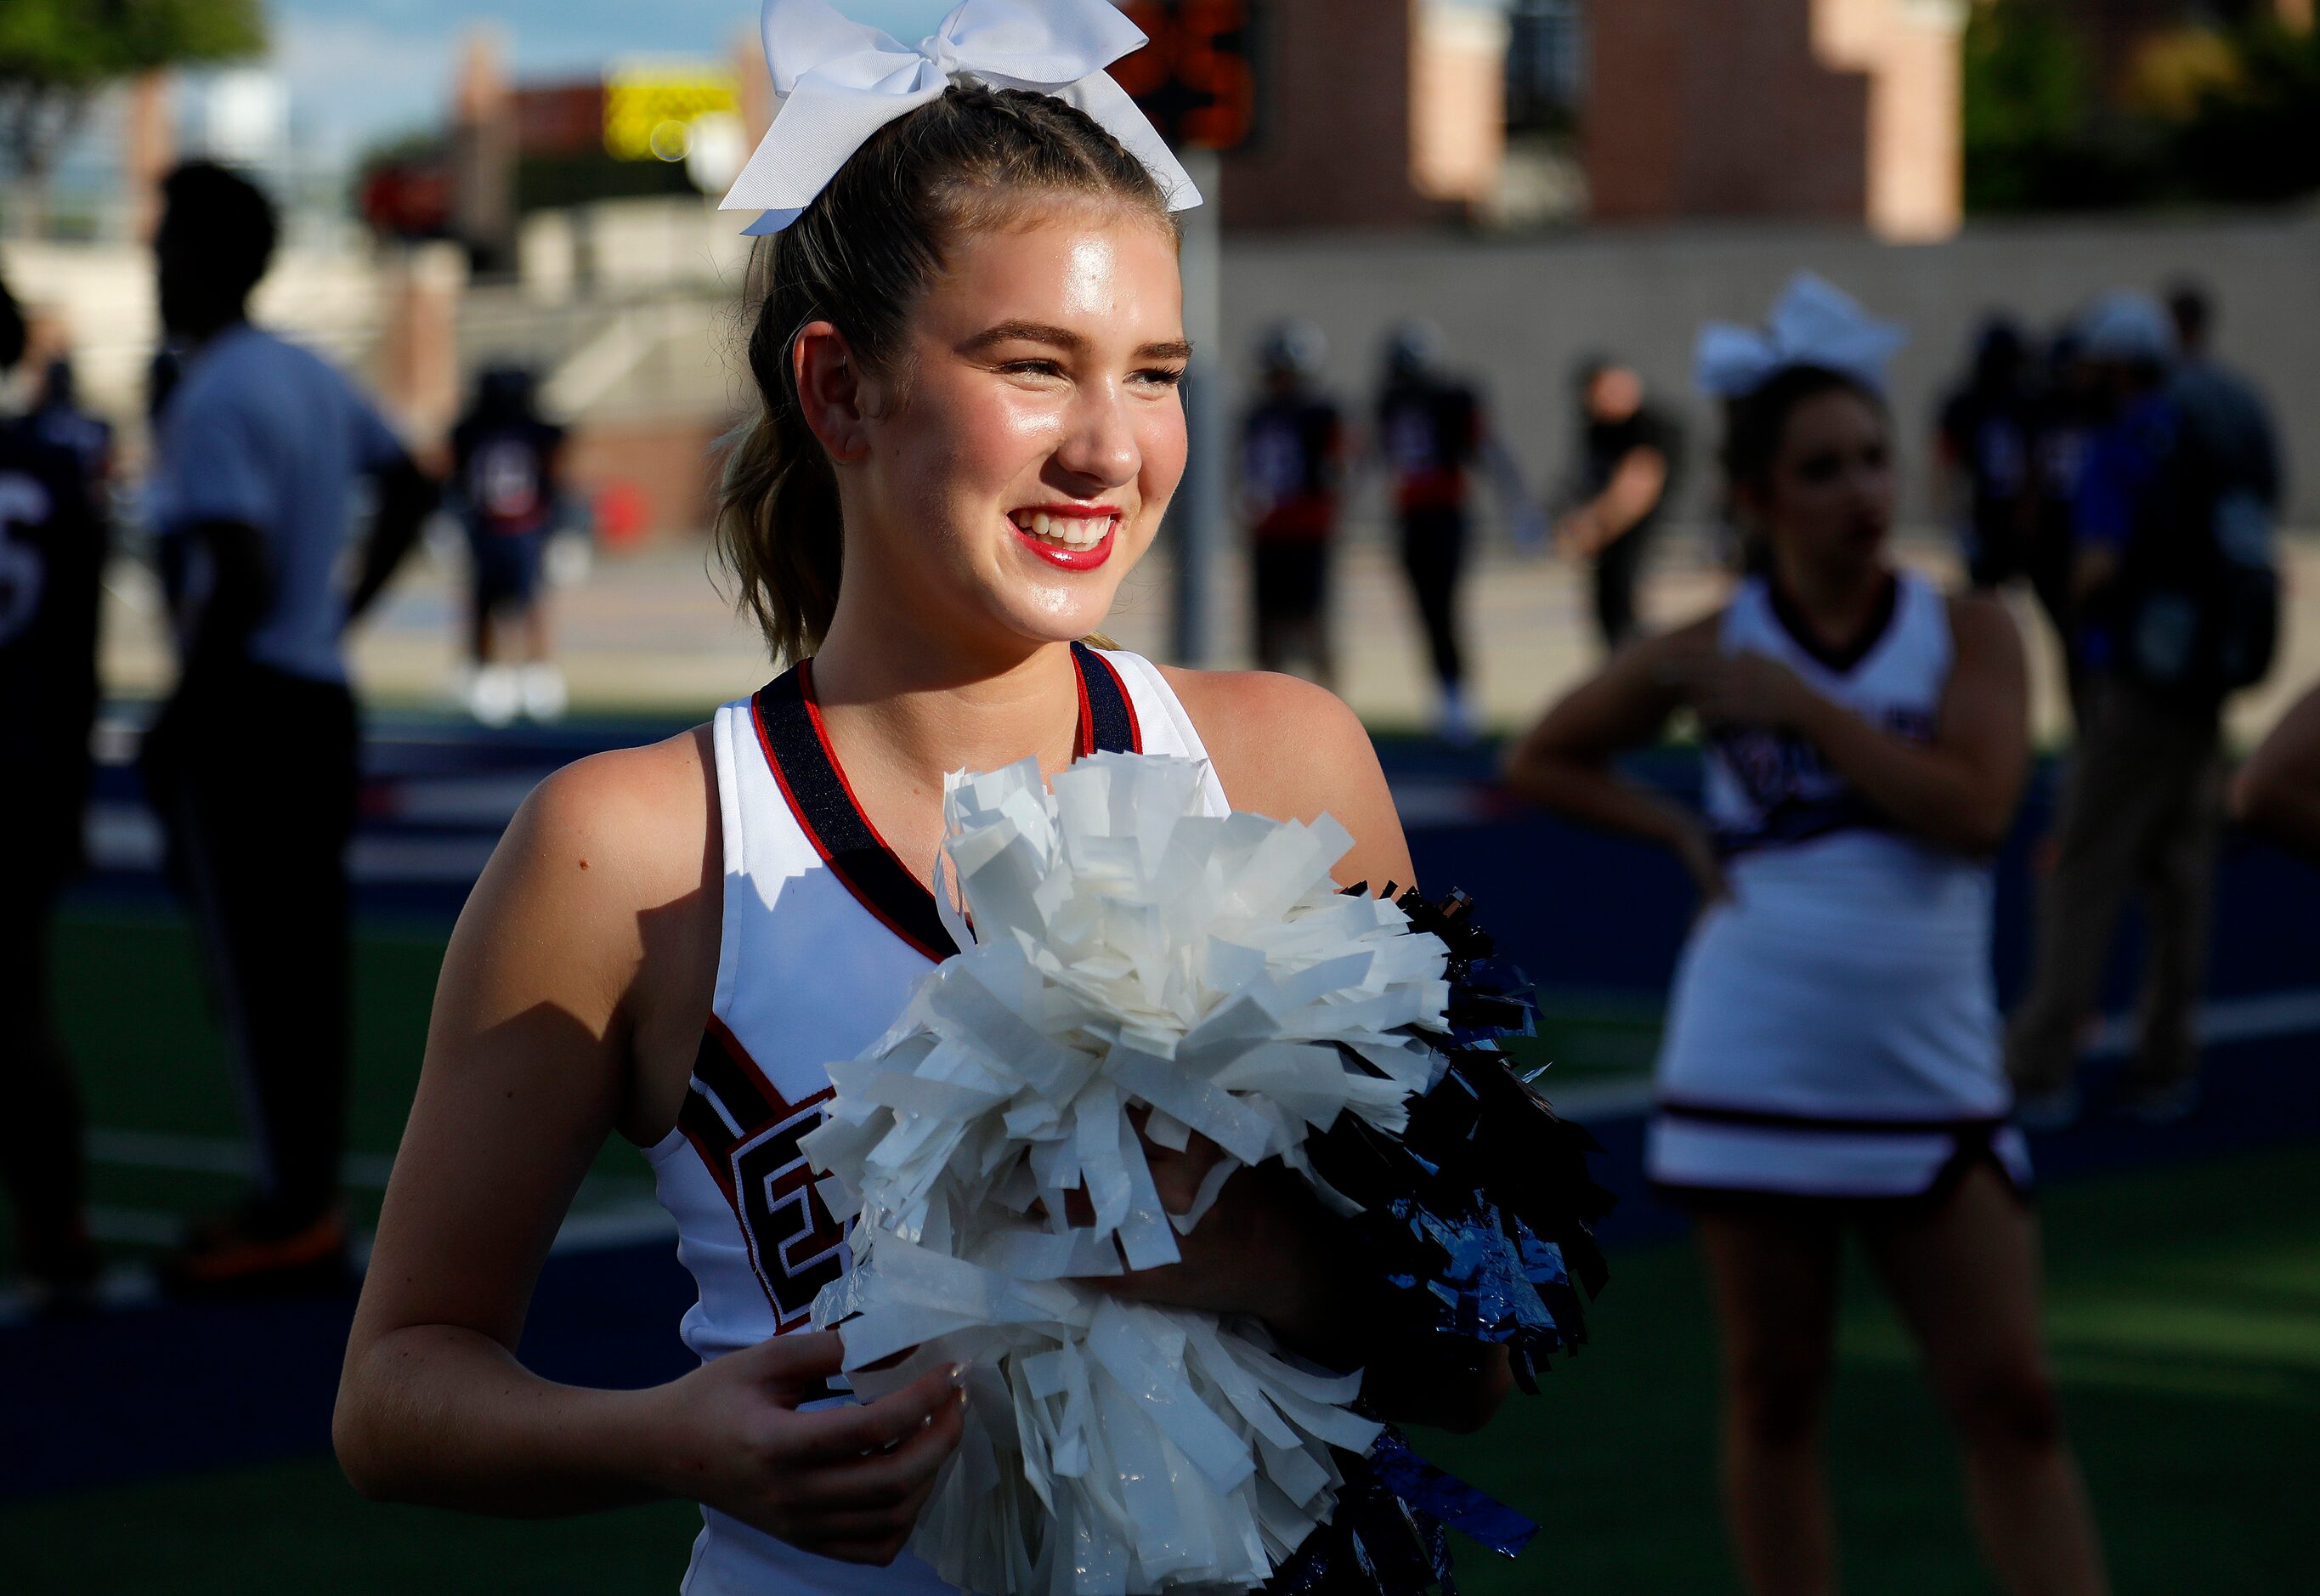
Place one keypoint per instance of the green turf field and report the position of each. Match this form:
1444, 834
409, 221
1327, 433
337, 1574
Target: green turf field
2186, 1316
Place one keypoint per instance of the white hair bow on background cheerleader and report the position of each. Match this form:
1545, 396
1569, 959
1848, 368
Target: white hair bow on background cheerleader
839, 81
1814, 323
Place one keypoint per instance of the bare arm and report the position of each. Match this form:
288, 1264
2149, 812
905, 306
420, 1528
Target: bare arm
2278, 791
407, 497
580, 951
1961, 789
1565, 762
1635, 487
240, 590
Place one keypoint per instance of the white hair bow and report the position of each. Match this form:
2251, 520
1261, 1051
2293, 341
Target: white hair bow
1814, 323
841, 81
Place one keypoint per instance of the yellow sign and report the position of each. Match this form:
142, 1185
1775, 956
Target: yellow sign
650, 110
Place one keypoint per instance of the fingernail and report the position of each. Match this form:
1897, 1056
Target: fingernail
958, 1375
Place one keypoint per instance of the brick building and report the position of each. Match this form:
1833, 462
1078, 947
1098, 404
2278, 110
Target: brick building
1377, 113
1838, 110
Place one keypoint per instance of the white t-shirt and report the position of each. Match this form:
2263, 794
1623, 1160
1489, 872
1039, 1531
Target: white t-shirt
265, 433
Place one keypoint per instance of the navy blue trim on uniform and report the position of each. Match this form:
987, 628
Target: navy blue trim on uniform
796, 746
1845, 660
1788, 823
790, 730
1676, 1107
1107, 714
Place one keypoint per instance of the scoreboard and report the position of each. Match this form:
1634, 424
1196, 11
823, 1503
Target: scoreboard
1199, 78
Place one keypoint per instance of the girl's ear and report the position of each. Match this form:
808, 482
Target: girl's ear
829, 390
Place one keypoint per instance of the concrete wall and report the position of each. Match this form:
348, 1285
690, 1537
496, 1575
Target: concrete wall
1517, 316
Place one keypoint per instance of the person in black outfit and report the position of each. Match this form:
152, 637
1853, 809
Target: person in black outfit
1630, 452
506, 458
259, 450
57, 419
1431, 434
1987, 448
1292, 463
52, 550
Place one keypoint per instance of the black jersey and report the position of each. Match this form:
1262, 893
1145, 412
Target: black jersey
1430, 431
506, 472
1292, 451
51, 558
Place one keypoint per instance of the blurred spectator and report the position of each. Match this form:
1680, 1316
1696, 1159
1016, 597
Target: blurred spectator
1293, 449
53, 547
1987, 449
2223, 407
259, 450
2277, 793
1432, 432
2071, 410
1630, 452
505, 459
56, 419
2175, 605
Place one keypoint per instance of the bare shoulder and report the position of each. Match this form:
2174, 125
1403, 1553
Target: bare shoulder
642, 813
596, 849
1294, 751
1280, 744
1984, 630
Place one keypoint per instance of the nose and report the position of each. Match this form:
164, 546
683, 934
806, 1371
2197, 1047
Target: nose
1099, 449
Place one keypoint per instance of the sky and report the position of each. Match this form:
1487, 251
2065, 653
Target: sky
361, 69
369, 67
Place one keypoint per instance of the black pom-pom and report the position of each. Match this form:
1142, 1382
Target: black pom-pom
1479, 1220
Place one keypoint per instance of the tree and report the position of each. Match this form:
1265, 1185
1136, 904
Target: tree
57, 55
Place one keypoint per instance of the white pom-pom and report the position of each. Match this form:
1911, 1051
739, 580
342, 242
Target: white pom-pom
1127, 951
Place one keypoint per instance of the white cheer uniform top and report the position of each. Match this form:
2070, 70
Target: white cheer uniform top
824, 932
1832, 1030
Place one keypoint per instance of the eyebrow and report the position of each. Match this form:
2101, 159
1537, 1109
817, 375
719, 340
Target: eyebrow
1064, 338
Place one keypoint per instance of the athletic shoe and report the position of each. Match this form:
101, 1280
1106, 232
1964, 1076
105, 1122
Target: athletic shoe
496, 697
240, 1254
2058, 1110
544, 693
2160, 1106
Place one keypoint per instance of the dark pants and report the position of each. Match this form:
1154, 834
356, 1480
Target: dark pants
1292, 593
40, 1165
2141, 811
1618, 570
1433, 552
253, 773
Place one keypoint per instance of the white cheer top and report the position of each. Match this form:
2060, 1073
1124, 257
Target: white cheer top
1832, 1030
824, 932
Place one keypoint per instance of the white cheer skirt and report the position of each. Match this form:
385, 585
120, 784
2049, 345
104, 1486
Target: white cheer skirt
1833, 1032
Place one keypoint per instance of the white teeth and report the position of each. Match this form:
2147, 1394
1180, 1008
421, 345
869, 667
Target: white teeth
1069, 531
